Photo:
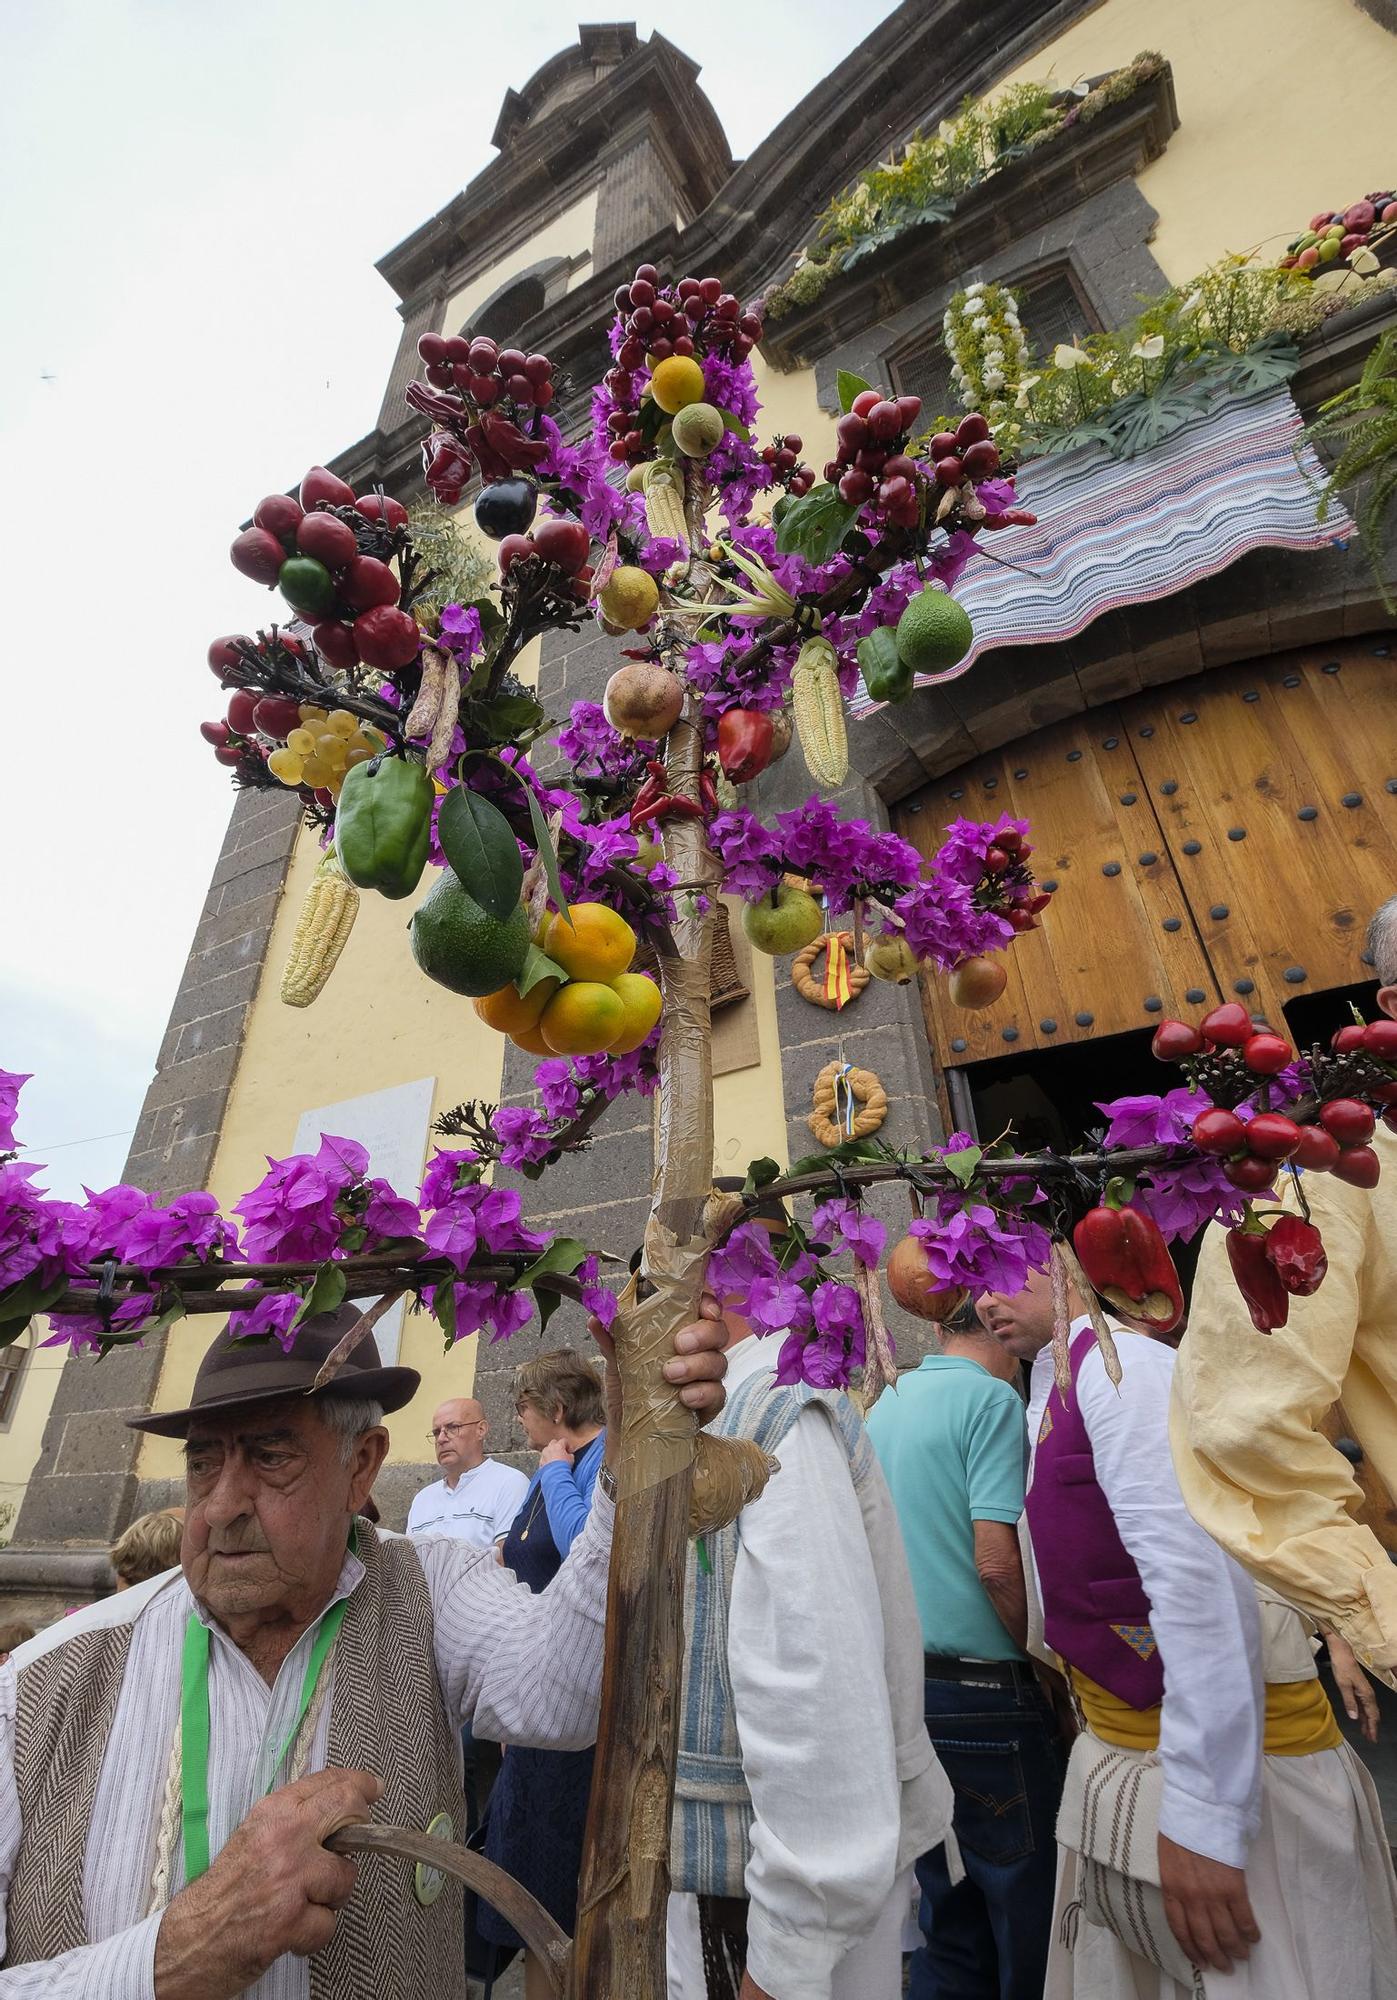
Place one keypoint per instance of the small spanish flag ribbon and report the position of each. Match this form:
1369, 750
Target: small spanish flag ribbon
845, 1102
837, 971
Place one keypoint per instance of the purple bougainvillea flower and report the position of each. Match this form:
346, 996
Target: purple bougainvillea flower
451, 1230
269, 1316
850, 1223
11, 1084
446, 1171
388, 1214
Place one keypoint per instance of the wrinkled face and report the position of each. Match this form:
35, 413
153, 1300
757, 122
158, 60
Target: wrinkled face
268, 1506
539, 1428
458, 1433
1022, 1322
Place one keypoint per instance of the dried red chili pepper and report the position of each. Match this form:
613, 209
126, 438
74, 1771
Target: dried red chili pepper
1295, 1251
1128, 1262
708, 792
1257, 1279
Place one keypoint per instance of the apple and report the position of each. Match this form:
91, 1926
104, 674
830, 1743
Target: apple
320, 484
565, 543
787, 919
977, 982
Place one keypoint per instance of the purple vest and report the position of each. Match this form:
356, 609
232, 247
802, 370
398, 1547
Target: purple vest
1095, 1611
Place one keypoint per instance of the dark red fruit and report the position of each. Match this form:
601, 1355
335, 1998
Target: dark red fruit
943, 445
240, 709
971, 430
996, 860
329, 540
884, 421
223, 655
980, 460
1219, 1131
1173, 1040
518, 548
1250, 1174
565, 543
1228, 1026
321, 484
1347, 1119
1380, 1040
506, 507
279, 514
852, 430
948, 471
257, 553
1316, 1150
229, 754
432, 348
214, 732
1345, 1040
1272, 1136
335, 644
1389, 1118
386, 638
1266, 1054
1358, 1165
277, 715
909, 408
382, 507
366, 583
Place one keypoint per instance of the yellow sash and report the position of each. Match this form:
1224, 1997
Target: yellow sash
1299, 1719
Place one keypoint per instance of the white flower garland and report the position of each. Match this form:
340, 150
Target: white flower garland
988, 351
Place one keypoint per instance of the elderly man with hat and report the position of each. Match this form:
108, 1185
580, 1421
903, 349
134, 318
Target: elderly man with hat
173, 1759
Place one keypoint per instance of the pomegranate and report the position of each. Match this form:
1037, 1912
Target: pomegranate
643, 700
912, 1285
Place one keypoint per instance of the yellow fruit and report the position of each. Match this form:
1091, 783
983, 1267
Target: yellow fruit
507, 1012
677, 380
302, 741
342, 722
641, 999
583, 1018
598, 944
531, 1041
631, 597
286, 765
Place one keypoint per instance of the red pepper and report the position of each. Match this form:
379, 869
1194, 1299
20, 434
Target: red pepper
1295, 1252
1127, 1260
1248, 1252
746, 739
669, 805
708, 792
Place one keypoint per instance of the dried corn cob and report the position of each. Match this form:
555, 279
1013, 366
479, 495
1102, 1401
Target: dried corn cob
664, 500
326, 919
818, 708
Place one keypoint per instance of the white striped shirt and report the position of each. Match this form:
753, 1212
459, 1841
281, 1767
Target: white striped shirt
520, 1667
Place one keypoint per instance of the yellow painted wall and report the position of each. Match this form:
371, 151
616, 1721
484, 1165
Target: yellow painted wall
567, 235
22, 1438
1285, 107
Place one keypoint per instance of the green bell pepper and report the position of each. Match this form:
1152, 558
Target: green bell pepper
383, 824
886, 676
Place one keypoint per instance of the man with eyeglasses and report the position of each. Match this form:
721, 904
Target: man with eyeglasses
476, 1498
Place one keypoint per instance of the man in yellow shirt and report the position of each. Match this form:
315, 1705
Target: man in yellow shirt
1255, 1468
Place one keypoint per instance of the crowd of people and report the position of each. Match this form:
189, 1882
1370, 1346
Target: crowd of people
1033, 1660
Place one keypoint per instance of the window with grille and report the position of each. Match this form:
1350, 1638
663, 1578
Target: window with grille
12, 1360
1051, 310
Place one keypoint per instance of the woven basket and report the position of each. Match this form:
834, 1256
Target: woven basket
727, 987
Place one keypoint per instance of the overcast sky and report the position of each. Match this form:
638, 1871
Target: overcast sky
192, 197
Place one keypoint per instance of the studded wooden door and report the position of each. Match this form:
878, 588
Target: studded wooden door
1224, 837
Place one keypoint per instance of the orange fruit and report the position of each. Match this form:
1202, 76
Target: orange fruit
583, 1018
597, 944
531, 1040
640, 997
675, 381
507, 1011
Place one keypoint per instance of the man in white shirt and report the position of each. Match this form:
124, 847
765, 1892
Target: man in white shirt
476, 1498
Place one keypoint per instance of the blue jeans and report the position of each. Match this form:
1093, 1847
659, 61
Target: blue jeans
987, 1936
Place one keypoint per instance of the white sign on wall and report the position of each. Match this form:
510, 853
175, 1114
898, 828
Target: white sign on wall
393, 1125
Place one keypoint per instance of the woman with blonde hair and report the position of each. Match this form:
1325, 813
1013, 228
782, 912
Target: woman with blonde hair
148, 1547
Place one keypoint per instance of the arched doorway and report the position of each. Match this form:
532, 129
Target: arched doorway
1225, 837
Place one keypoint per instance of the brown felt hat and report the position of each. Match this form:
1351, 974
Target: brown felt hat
237, 1371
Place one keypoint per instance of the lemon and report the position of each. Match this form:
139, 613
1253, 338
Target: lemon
631, 598
933, 633
641, 999
596, 944
677, 380
583, 1018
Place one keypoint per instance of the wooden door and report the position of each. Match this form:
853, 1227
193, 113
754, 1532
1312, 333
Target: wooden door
1226, 837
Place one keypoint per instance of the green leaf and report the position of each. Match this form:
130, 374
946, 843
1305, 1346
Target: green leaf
537, 965
560, 1259
19, 1304
547, 853
849, 386
1269, 362
847, 1154
760, 1174
478, 841
505, 719
814, 526
734, 423
490, 617
961, 1165
444, 1309
326, 1294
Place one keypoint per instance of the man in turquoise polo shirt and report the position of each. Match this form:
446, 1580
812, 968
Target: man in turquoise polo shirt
953, 1448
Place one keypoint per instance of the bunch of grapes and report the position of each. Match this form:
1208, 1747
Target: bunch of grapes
321, 748
787, 470
694, 317
310, 547
875, 464
487, 374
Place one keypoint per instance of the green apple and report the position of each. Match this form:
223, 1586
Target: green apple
786, 920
